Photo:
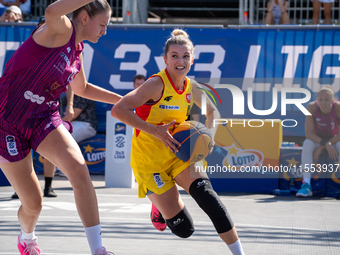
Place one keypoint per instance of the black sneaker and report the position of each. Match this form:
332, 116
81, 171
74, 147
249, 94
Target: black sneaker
15, 196
49, 192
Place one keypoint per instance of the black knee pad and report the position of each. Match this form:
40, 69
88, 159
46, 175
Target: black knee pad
204, 195
181, 225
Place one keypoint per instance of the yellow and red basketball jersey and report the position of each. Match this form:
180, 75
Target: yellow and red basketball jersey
148, 153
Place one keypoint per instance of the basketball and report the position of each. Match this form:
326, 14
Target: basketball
196, 141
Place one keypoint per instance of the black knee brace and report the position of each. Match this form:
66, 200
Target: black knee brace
202, 191
181, 225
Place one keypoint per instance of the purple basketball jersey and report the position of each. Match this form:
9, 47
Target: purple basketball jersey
326, 126
33, 80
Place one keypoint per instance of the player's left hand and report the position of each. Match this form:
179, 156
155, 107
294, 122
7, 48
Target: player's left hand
162, 133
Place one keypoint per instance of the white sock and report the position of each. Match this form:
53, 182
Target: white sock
236, 248
94, 238
306, 177
27, 236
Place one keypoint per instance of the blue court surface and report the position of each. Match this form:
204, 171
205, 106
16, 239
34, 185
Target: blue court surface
266, 224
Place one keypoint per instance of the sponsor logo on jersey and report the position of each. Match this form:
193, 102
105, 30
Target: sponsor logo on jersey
48, 125
33, 97
320, 123
11, 145
168, 98
188, 96
60, 67
63, 55
53, 88
169, 107
52, 103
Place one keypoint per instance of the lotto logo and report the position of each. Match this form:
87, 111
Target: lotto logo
11, 145
34, 98
158, 180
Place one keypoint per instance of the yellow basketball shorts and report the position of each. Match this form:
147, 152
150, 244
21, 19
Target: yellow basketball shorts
159, 183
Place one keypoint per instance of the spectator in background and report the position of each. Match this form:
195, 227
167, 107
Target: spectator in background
25, 7
322, 133
277, 12
11, 14
138, 80
194, 113
8, 3
84, 121
327, 8
84, 124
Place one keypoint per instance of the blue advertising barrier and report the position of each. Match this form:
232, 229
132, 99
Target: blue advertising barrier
260, 60
270, 73
3, 179
333, 179
325, 180
93, 150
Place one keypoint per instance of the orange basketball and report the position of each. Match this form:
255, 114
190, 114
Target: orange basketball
196, 141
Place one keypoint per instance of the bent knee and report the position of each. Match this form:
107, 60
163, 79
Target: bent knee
33, 207
78, 173
182, 224
308, 144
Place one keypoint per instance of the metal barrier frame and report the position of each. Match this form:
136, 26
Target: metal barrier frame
299, 12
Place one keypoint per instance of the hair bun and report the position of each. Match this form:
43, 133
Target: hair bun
179, 32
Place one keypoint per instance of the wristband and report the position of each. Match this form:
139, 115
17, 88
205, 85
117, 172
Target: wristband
323, 142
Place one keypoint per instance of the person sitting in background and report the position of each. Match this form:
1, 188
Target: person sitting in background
322, 133
277, 12
138, 80
327, 10
11, 14
84, 121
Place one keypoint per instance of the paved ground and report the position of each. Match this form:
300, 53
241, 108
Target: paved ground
266, 224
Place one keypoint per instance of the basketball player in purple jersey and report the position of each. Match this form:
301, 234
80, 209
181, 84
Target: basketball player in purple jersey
39, 71
322, 132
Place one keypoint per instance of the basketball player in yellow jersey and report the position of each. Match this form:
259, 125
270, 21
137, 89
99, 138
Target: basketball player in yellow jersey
161, 103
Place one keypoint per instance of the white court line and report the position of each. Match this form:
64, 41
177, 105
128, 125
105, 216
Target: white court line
186, 196
138, 220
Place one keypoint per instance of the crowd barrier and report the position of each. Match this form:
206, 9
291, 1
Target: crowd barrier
259, 61
325, 178
3, 179
242, 152
93, 150
289, 178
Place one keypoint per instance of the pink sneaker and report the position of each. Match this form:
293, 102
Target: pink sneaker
102, 251
29, 247
157, 219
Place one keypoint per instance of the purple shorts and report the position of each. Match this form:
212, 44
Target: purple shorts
17, 142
